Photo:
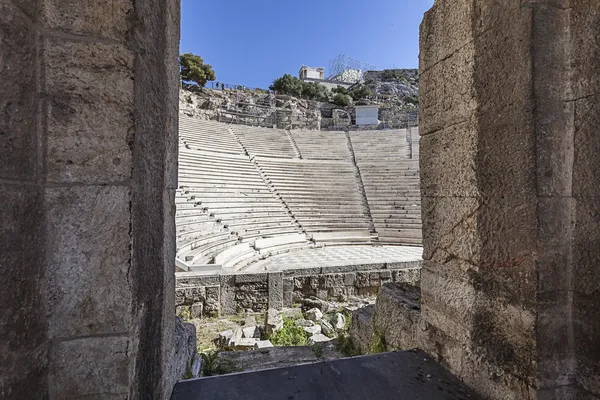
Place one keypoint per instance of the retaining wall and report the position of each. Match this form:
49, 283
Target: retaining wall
227, 294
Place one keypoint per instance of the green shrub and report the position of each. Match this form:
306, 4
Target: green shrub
212, 365
361, 92
341, 100
344, 345
341, 90
379, 345
289, 335
314, 91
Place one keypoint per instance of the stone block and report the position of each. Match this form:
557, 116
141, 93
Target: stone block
397, 316
447, 298
89, 259
288, 289
586, 167
556, 224
18, 137
251, 278
448, 161
349, 279
385, 275
276, 290
273, 321
449, 228
585, 48
322, 294
90, 367
227, 294
108, 19
586, 327
212, 302
361, 329
89, 110
446, 91
184, 280
410, 275
586, 247
362, 280
445, 29
331, 281
555, 361
197, 310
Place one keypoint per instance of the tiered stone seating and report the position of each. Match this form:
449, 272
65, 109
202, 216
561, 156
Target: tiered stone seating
244, 195
207, 135
322, 195
224, 203
392, 189
414, 135
389, 143
265, 141
319, 145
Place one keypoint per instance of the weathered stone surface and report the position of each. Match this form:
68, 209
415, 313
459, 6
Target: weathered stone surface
276, 290
251, 332
108, 20
312, 330
90, 107
314, 315
327, 328
70, 371
304, 323
23, 321
185, 348
263, 344
80, 259
273, 321
397, 315
318, 338
338, 321
18, 138
361, 329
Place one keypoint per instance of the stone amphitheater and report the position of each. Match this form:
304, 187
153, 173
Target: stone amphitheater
260, 200
247, 194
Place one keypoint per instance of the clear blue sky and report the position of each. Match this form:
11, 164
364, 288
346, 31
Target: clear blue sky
253, 42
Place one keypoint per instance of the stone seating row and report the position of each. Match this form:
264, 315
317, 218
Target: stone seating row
225, 204
379, 144
227, 191
207, 135
318, 145
266, 141
393, 193
324, 197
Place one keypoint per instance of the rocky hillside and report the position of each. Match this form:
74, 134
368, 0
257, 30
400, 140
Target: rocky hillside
394, 86
395, 91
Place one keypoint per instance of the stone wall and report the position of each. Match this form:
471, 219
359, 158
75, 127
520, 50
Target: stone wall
227, 294
88, 155
509, 103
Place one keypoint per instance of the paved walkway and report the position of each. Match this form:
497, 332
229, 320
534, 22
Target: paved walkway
337, 256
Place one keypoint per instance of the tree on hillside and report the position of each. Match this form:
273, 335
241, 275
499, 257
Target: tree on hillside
288, 84
193, 69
